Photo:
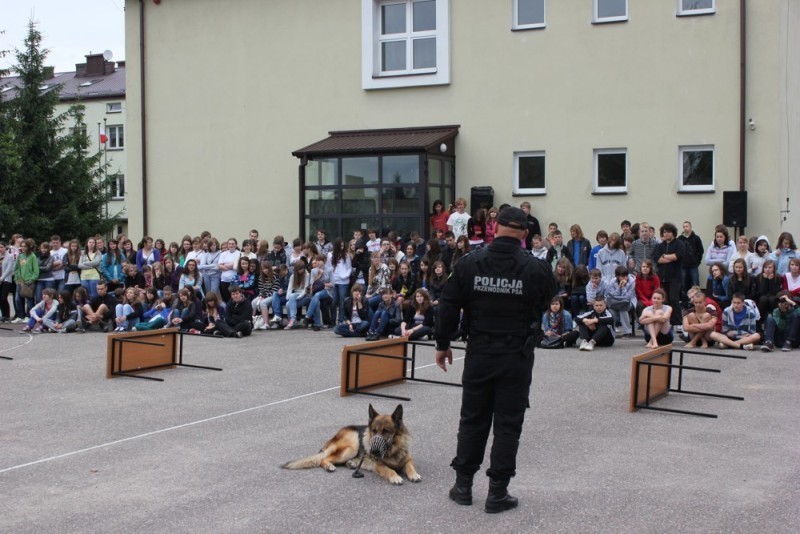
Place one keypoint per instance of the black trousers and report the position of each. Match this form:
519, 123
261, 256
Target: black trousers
495, 394
245, 327
601, 335
673, 289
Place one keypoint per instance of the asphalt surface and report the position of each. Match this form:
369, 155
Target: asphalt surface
200, 452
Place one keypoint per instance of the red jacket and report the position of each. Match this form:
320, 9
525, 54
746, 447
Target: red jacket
645, 288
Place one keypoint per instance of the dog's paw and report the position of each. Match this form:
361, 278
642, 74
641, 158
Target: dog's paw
396, 480
415, 477
352, 464
330, 468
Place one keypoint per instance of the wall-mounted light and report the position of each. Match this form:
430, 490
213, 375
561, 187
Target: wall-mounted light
443, 148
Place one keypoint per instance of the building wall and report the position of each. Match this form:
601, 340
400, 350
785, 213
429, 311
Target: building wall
233, 88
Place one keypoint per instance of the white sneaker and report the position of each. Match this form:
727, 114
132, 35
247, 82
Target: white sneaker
584, 343
590, 345
18, 320
748, 346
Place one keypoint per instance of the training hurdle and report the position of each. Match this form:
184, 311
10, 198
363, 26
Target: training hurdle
129, 353
367, 366
651, 378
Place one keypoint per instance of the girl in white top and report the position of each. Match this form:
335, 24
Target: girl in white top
228, 261
655, 320
458, 222
742, 252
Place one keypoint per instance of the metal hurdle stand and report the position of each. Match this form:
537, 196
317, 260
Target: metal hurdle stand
353, 360
9, 330
667, 376
117, 350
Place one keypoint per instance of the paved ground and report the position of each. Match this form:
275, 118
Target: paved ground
200, 452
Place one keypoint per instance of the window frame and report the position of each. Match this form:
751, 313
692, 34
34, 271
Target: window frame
110, 107
371, 75
516, 188
682, 187
515, 24
596, 19
683, 12
113, 140
614, 190
115, 186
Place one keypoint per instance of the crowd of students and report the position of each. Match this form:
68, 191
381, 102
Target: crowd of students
376, 285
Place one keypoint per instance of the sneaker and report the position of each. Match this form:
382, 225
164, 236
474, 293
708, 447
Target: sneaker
275, 319
315, 327
18, 320
36, 331
786, 347
239, 335
132, 329
767, 347
273, 326
583, 345
748, 346
25, 330
217, 333
290, 324
590, 345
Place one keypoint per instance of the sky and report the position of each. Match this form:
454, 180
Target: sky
70, 29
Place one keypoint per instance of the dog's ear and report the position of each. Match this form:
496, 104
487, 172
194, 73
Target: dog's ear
397, 416
372, 413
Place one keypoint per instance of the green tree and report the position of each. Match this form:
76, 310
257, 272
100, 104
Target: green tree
54, 185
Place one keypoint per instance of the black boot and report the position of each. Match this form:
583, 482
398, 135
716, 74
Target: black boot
461, 492
499, 500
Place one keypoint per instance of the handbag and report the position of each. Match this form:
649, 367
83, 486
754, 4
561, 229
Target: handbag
552, 342
26, 289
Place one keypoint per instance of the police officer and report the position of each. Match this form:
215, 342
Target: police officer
503, 291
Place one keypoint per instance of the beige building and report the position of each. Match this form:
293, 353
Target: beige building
593, 111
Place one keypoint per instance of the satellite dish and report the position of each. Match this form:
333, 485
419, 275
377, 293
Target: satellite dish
107, 55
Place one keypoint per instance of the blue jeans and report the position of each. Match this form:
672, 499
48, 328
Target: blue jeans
778, 337
295, 302
340, 292
380, 322
313, 312
91, 287
359, 329
126, 310
211, 283
22, 305
374, 301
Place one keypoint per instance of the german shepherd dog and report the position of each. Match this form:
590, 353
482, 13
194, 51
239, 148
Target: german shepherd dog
384, 445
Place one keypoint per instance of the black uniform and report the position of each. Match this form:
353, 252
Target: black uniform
503, 291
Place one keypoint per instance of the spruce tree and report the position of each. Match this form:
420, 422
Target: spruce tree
56, 187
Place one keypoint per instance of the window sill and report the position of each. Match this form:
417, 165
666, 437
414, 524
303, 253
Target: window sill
698, 14
515, 195
608, 21
608, 193
120, 149
421, 72
528, 28
696, 192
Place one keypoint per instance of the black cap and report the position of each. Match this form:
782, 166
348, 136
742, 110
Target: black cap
513, 218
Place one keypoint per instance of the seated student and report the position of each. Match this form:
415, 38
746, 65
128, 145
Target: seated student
237, 316
621, 298
404, 283
719, 284
267, 282
436, 281
99, 312
385, 317
213, 312
655, 320
377, 279
417, 317
66, 320
129, 311
596, 327
357, 317
557, 323
739, 280
297, 295
577, 293
791, 279
646, 283
738, 326
782, 326
537, 248
280, 289
766, 287
596, 287
699, 320
45, 310
563, 272
154, 318
133, 278
184, 312
318, 311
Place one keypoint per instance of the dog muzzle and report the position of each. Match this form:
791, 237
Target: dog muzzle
378, 446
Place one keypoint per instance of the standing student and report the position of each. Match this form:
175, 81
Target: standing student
46, 262
342, 267
6, 282
458, 222
89, 266
228, 262
58, 252
669, 254
111, 266
209, 265
26, 273
148, 254
692, 258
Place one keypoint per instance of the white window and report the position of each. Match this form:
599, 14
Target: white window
114, 107
529, 173
117, 185
405, 43
696, 168
696, 7
528, 14
610, 10
610, 170
116, 136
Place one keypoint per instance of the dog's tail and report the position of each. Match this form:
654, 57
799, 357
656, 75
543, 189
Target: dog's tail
308, 462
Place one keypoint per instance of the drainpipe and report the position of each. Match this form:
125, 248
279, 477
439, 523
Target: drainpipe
143, 117
302, 181
742, 88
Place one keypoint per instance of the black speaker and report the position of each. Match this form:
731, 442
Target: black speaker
734, 209
481, 197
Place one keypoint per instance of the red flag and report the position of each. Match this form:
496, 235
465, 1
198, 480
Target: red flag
103, 136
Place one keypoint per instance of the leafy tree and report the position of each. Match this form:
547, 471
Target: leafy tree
52, 185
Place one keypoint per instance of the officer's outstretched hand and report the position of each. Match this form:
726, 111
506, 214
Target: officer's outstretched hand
443, 357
